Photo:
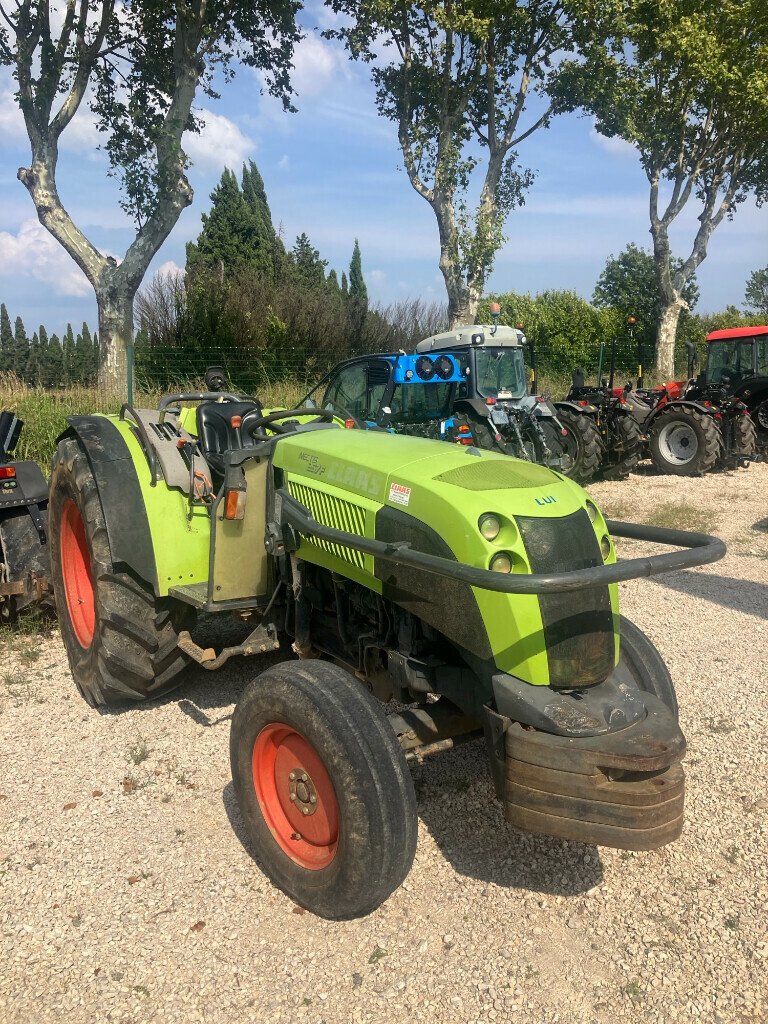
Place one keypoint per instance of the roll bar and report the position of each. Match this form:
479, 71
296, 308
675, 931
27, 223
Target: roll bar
699, 549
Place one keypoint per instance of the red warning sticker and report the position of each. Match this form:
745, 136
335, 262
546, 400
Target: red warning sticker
399, 494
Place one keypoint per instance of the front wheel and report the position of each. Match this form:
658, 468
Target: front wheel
646, 667
684, 442
121, 640
323, 788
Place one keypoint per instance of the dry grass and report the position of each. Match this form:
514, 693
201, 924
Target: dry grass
45, 412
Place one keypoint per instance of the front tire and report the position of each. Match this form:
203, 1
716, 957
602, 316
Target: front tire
323, 788
684, 442
646, 666
121, 641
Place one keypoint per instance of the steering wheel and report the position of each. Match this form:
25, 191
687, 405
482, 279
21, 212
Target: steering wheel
337, 411
282, 414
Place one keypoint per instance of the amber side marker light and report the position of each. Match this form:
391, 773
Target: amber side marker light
234, 505
7, 472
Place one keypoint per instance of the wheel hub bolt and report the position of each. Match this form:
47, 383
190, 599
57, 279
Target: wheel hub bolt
302, 792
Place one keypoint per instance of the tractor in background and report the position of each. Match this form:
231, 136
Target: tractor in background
468, 386
694, 425
23, 525
736, 370
620, 434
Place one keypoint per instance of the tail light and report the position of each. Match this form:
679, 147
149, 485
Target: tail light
7, 472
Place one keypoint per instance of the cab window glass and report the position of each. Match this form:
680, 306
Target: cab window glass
500, 371
412, 403
729, 359
762, 355
358, 390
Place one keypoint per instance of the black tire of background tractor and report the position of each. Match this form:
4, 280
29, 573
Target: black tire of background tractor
744, 443
709, 442
376, 804
626, 430
133, 654
646, 665
583, 443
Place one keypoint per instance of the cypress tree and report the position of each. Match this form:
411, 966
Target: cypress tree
84, 356
95, 358
272, 259
32, 369
308, 266
344, 284
357, 289
20, 349
53, 367
233, 234
6, 341
333, 282
43, 355
68, 355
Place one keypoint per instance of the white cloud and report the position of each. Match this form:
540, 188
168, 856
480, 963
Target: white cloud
170, 269
219, 144
11, 121
613, 145
33, 253
284, 162
377, 276
317, 65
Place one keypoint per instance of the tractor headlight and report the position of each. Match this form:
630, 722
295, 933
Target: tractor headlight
489, 526
605, 547
591, 512
501, 562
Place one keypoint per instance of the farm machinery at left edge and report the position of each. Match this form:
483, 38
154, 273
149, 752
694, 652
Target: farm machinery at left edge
23, 525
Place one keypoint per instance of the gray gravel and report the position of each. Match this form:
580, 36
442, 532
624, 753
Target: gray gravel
126, 894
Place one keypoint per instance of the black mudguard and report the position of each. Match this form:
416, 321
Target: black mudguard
130, 540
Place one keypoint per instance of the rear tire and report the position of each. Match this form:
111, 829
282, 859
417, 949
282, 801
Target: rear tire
583, 445
684, 442
120, 639
646, 666
627, 440
315, 722
744, 443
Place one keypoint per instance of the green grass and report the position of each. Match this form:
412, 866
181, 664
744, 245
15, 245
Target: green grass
45, 412
680, 516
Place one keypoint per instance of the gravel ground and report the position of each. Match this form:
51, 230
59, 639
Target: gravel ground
126, 893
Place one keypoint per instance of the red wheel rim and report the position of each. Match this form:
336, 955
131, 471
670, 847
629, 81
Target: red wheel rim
76, 574
296, 796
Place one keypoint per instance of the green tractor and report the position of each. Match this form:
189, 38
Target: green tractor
476, 590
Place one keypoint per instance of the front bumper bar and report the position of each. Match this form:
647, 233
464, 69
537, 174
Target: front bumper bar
698, 549
624, 789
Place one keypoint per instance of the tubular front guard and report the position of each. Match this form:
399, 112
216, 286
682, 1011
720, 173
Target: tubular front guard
698, 549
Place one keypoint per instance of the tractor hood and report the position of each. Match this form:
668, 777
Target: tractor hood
433, 496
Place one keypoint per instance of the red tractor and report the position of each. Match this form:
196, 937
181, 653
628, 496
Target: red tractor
694, 425
737, 365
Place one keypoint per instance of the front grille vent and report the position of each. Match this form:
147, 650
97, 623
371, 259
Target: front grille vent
335, 512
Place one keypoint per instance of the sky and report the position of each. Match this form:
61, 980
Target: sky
334, 170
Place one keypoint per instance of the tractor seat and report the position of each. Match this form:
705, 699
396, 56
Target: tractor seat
216, 433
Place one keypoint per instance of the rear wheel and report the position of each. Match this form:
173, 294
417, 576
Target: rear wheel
743, 441
121, 641
323, 788
684, 442
581, 457
626, 446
